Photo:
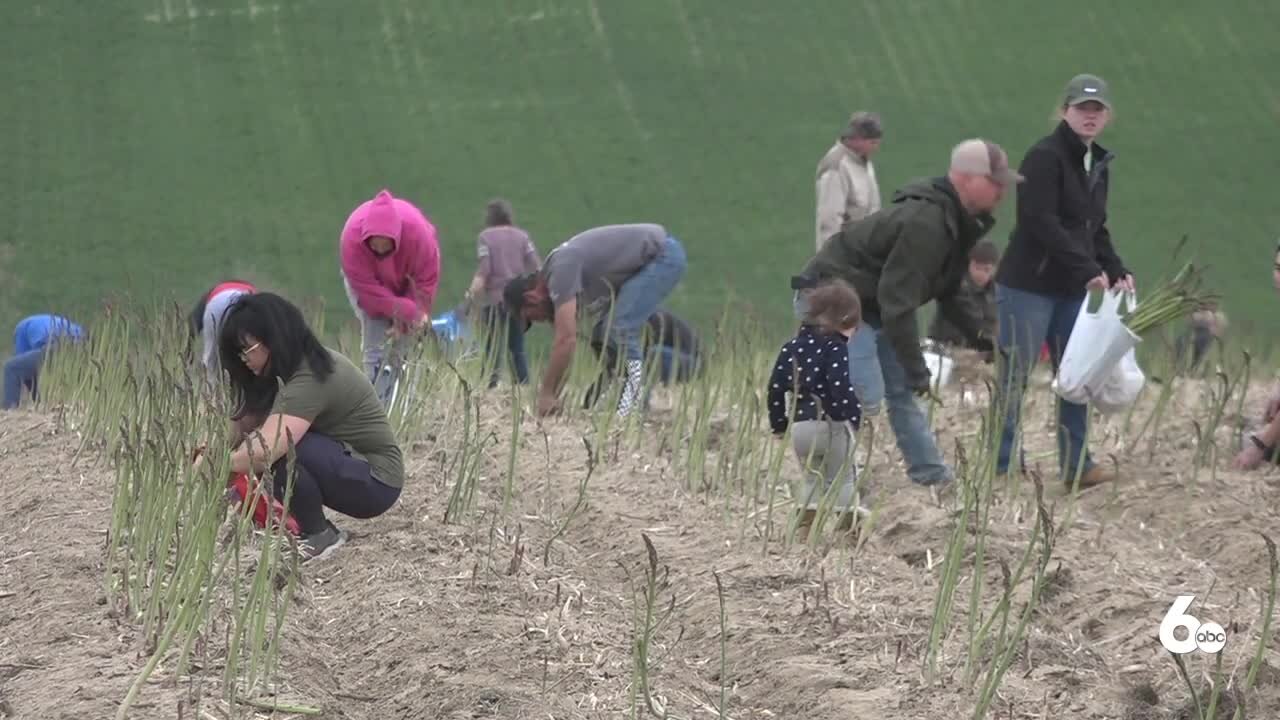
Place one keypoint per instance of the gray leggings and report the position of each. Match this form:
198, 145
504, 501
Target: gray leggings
825, 451
383, 357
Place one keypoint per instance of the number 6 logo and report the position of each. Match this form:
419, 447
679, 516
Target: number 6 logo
1209, 637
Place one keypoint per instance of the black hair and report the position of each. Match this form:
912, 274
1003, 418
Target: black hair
513, 295
280, 326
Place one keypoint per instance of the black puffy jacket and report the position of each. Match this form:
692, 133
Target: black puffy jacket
1060, 239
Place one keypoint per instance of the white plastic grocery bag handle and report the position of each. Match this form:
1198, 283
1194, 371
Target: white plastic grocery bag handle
1111, 300
1110, 306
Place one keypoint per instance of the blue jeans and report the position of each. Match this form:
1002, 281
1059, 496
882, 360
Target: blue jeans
1027, 321
640, 296
877, 377
21, 371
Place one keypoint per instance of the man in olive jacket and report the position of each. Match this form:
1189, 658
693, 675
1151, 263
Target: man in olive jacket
913, 251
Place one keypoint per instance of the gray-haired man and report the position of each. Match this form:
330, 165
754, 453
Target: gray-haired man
846, 179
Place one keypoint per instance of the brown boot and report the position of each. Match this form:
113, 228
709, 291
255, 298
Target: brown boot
806, 522
1094, 477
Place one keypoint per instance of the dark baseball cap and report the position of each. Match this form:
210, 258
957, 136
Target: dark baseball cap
1084, 88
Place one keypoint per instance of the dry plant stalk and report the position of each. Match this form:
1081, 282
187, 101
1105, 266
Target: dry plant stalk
133, 389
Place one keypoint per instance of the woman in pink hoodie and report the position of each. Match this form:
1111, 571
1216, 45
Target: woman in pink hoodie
390, 268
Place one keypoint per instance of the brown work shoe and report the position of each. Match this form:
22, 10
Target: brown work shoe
1094, 477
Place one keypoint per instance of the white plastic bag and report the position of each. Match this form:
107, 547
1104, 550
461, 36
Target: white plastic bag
1122, 386
939, 367
1099, 341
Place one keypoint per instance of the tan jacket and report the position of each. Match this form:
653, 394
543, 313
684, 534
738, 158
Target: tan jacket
846, 188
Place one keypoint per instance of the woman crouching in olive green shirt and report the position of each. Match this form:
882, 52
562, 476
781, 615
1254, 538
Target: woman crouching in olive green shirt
346, 454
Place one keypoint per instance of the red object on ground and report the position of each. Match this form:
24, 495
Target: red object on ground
239, 482
1044, 352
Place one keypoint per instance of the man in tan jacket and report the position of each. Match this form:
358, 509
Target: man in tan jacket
846, 182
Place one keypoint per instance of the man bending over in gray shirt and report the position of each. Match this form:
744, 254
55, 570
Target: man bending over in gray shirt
629, 268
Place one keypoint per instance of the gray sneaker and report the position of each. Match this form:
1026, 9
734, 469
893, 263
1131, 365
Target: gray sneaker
321, 545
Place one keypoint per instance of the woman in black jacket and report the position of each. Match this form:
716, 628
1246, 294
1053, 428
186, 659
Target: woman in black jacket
1059, 250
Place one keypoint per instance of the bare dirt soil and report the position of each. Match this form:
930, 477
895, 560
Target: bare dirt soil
416, 618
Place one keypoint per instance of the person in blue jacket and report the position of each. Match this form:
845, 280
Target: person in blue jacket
31, 340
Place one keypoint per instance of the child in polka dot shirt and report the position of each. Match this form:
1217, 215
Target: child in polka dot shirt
813, 369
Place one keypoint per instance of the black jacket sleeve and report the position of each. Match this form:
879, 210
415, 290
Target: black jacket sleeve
1111, 262
1038, 204
1106, 255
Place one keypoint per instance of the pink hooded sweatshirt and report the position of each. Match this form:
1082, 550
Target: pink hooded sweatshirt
402, 284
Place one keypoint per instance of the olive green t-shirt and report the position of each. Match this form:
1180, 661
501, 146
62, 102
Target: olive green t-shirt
346, 408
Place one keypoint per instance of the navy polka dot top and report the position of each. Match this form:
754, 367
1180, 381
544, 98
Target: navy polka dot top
814, 367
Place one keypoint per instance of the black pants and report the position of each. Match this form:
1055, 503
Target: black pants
497, 324
326, 476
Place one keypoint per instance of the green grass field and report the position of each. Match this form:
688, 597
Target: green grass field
154, 146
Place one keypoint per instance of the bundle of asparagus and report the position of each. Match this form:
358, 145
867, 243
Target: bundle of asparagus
1172, 301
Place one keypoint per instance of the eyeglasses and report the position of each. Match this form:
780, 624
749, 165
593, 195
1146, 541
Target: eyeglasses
244, 354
